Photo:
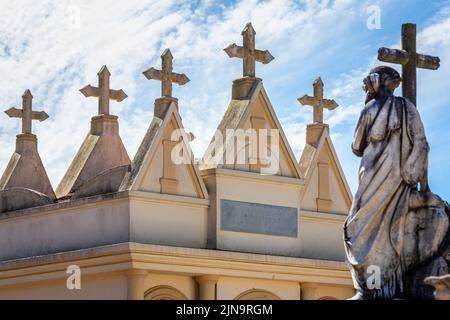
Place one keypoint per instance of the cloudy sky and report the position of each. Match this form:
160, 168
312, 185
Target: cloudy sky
56, 47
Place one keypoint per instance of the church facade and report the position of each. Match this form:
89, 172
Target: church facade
247, 221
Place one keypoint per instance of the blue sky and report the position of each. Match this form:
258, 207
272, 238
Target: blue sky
55, 48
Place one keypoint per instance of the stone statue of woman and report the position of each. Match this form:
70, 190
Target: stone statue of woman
394, 235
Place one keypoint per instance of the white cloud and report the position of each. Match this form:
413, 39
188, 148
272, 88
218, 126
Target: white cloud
43, 48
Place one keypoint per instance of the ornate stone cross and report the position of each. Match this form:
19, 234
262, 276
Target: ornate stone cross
103, 92
409, 59
247, 52
166, 76
26, 113
317, 101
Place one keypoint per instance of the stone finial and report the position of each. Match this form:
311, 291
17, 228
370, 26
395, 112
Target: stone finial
96, 164
318, 102
247, 51
103, 92
26, 113
25, 177
165, 75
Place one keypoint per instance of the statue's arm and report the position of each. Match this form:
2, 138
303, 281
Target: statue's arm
360, 137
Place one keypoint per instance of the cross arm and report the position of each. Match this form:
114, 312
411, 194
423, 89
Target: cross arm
402, 57
428, 62
153, 73
393, 56
263, 56
234, 51
117, 95
14, 113
181, 79
39, 115
308, 100
329, 104
90, 91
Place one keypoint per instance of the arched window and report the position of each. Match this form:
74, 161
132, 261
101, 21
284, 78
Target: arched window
164, 293
257, 294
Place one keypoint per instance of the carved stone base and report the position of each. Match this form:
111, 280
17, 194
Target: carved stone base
243, 87
162, 104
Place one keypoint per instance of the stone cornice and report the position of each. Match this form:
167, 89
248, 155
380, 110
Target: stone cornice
189, 261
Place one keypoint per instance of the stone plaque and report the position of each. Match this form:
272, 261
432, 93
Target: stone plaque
258, 218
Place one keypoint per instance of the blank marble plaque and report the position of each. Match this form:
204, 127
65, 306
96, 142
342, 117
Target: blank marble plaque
258, 218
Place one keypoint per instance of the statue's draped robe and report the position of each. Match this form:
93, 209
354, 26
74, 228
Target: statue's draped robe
391, 141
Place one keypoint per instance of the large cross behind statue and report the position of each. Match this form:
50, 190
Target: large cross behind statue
165, 75
247, 52
317, 101
103, 92
410, 61
26, 113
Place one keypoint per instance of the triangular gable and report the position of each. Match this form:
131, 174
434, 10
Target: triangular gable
153, 170
326, 188
254, 113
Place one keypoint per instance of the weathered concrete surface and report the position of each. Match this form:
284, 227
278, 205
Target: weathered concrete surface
21, 198
112, 218
25, 169
106, 182
65, 226
146, 144
102, 149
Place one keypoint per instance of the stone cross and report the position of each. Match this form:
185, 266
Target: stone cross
26, 113
410, 60
247, 52
317, 101
103, 92
166, 76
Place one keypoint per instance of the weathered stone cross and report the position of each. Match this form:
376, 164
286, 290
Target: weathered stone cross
410, 60
26, 113
318, 102
248, 52
166, 76
103, 92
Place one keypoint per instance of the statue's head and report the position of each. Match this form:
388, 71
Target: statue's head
381, 81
